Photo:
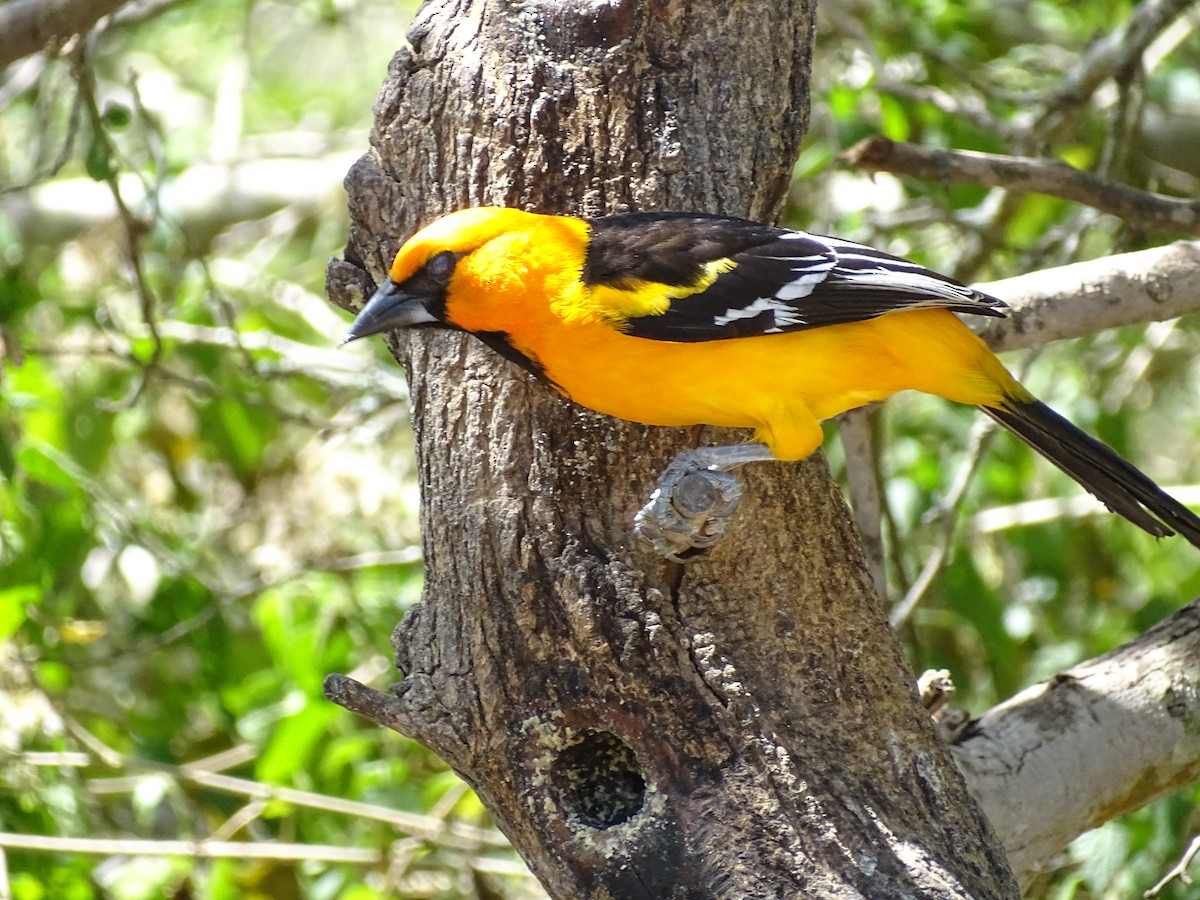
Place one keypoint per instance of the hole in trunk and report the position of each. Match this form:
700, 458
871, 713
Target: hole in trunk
598, 781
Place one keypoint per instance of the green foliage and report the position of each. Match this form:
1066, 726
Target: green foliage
204, 508
196, 523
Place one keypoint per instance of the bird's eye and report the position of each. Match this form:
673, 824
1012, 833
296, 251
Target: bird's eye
440, 266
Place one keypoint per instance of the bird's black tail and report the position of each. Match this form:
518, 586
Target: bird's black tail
1096, 466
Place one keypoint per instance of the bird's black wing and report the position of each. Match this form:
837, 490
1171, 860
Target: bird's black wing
728, 278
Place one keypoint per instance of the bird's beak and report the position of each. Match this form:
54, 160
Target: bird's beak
389, 307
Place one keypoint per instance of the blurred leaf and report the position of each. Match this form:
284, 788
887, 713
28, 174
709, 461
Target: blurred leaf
116, 115
100, 162
290, 751
8, 462
895, 118
13, 603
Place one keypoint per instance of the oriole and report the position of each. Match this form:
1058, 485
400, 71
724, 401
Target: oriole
688, 318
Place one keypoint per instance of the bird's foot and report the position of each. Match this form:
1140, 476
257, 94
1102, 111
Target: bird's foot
694, 500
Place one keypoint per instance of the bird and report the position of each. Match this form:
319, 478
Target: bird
687, 318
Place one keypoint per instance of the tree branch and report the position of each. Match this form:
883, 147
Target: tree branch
1087, 297
1141, 209
28, 26
202, 201
1092, 743
1113, 53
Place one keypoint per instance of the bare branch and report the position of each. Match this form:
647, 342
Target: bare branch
1179, 870
27, 26
201, 202
1096, 741
1113, 53
1141, 209
381, 708
198, 849
866, 493
1083, 298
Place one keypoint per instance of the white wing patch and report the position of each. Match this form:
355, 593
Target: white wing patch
866, 267
802, 286
784, 315
809, 272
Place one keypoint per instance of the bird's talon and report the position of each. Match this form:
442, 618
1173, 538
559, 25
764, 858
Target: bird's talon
689, 510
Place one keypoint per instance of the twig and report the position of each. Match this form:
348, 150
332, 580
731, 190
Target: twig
1051, 509
968, 108
97, 747
946, 511
239, 820
67, 759
381, 708
134, 230
1179, 870
316, 362
1125, 119
448, 834
972, 109
1000, 208
1141, 209
200, 849
385, 389
447, 801
205, 773
1108, 57
1133, 371
945, 516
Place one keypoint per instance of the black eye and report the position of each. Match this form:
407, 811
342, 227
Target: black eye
441, 266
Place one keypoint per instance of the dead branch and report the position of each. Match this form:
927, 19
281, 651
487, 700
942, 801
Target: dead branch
1141, 209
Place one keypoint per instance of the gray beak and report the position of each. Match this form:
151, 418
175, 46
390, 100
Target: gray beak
388, 308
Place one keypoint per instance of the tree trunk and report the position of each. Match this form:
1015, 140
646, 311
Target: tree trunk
742, 727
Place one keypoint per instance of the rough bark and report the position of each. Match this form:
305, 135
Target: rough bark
744, 727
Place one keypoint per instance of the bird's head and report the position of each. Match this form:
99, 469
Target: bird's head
448, 273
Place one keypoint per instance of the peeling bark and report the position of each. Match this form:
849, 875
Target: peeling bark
744, 727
